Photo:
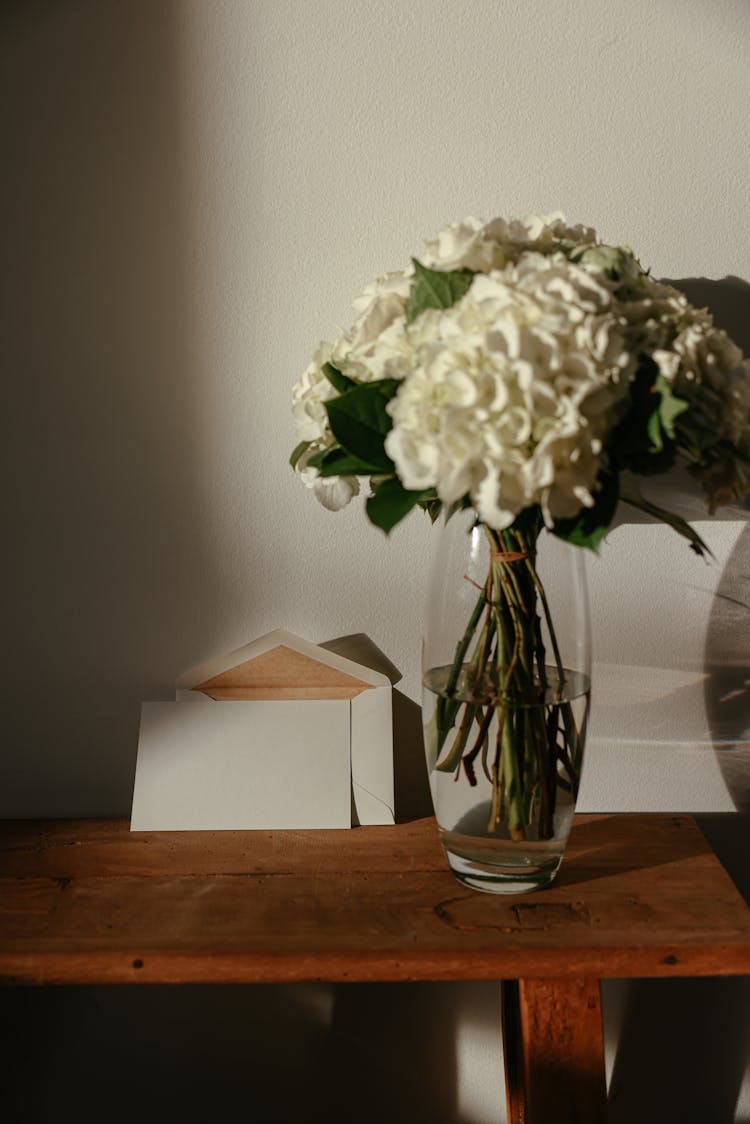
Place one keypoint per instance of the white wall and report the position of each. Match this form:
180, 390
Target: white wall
193, 192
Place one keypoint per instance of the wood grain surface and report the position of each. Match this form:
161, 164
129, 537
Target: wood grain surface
88, 901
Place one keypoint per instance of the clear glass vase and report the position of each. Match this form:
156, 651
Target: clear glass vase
506, 687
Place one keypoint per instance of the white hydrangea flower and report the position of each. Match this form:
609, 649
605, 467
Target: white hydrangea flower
702, 365
547, 230
714, 380
334, 492
510, 397
503, 405
485, 246
469, 244
308, 397
375, 345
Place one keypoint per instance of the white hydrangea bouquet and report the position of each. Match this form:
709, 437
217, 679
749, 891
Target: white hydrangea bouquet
519, 369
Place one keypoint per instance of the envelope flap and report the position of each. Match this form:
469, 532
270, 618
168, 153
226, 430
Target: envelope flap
281, 665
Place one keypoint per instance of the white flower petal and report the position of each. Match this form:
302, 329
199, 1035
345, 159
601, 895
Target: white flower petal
335, 492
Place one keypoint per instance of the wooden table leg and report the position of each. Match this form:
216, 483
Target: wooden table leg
554, 1051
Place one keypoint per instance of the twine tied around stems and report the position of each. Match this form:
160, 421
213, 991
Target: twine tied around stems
500, 556
508, 555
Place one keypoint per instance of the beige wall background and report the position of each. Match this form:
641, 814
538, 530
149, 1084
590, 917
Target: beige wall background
193, 192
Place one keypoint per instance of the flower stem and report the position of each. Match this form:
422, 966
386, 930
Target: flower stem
505, 679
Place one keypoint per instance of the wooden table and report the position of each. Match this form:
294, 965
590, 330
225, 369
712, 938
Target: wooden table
87, 902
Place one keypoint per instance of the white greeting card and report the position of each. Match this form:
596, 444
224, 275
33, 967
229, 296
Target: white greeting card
279, 734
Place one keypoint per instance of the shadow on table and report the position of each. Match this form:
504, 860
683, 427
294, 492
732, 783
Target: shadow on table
596, 852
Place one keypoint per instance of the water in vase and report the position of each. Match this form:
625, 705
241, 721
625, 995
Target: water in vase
504, 802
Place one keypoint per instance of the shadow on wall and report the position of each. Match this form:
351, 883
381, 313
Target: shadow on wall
266, 1053
396, 1044
410, 782
684, 1044
166, 1054
727, 683
105, 527
682, 1052
728, 301
727, 647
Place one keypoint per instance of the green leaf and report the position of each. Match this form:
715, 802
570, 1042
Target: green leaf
337, 462
663, 417
614, 261
390, 502
632, 496
433, 288
317, 459
631, 445
589, 527
360, 422
342, 383
653, 429
298, 451
433, 507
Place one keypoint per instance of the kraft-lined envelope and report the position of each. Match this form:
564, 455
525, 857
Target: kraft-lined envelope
279, 734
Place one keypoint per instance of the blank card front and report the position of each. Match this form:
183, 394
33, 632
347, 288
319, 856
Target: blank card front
241, 765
